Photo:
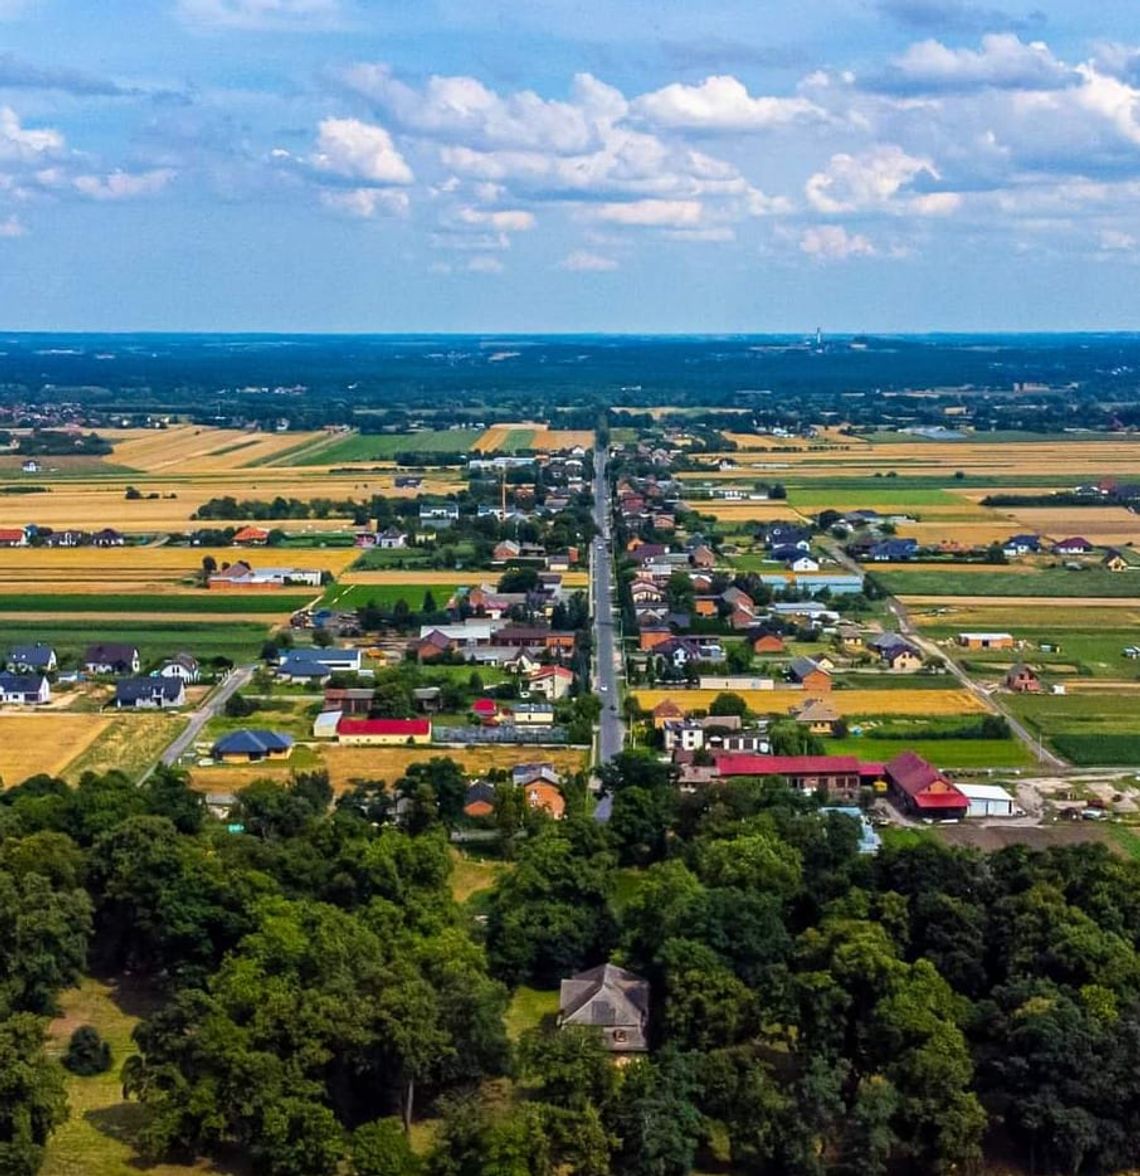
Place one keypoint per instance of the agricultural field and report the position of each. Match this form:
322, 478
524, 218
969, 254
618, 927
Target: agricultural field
356, 448
1027, 582
348, 765
1091, 729
850, 703
45, 742
154, 637
385, 593
196, 448
129, 743
943, 753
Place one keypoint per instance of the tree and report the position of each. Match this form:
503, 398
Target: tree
728, 704
239, 706
32, 1099
87, 1053
654, 1118
381, 1148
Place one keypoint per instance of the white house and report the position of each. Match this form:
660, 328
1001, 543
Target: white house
24, 690
182, 666
552, 682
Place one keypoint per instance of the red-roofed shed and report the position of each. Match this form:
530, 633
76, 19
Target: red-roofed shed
921, 788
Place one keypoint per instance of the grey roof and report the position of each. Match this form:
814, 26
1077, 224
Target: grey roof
304, 667
110, 653
607, 997
21, 683
252, 743
38, 656
802, 666
134, 689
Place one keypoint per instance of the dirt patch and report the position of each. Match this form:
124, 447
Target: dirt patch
994, 837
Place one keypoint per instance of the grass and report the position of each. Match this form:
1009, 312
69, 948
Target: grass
348, 597
1126, 840
129, 744
364, 447
896, 838
944, 753
528, 1009
270, 603
470, 876
1044, 582
1090, 729
1097, 653
886, 496
155, 640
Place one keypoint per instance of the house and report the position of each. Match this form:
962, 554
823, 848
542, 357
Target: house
643, 591
528, 637
702, 556
240, 574
1022, 679
428, 700
683, 735
66, 538
543, 797
810, 675
803, 563
843, 776
1076, 545
505, 550
919, 788
391, 538
611, 1000
108, 537
819, 716
434, 644
850, 636
252, 746
438, 515
13, 537
737, 598
530, 714
486, 710
524, 774
768, 643
311, 663
987, 800
22, 658
349, 700
383, 732
31, 466
1017, 545
251, 537
896, 653
24, 689
479, 800
552, 682
707, 607
667, 711
1114, 561
366, 539
893, 550
149, 693
985, 640
111, 658
182, 666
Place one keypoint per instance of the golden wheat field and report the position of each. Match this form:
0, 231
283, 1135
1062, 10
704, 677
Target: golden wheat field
198, 448
1107, 524
555, 439
47, 742
746, 512
963, 534
847, 702
349, 765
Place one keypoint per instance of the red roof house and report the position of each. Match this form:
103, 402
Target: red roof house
253, 536
921, 788
838, 775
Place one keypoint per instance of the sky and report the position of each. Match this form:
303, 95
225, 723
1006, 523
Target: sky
569, 165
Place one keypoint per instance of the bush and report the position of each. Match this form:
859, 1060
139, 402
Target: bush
240, 707
87, 1053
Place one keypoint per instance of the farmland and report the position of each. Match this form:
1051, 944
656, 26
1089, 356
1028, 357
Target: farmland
45, 742
1089, 729
128, 743
155, 638
951, 580
360, 448
850, 703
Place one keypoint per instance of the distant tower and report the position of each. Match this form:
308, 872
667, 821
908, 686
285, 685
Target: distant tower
503, 487
819, 338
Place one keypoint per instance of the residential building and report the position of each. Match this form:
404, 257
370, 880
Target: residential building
1076, 545
479, 800
149, 693
552, 682
183, 666
251, 537
111, 658
667, 711
24, 689
350, 700
391, 538
23, 658
252, 746
810, 675
768, 644
13, 537
612, 1001
684, 735
543, 797
108, 537
1022, 679
819, 716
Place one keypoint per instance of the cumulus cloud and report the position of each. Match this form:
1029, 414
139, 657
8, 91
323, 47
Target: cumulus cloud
722, 103
834, 243
361, 151
583, 262
366, 203
657, 214
874, 179
260, 15
507, 220
1117, 241
122, 185
1004, 62
19, 144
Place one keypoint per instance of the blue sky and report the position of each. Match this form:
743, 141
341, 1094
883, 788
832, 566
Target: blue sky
617, 165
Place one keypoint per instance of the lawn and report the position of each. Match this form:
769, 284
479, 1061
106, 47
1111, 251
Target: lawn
1095, 652
1044, 582
155, 640
364, 447
348, 597
528, 1009
470, 876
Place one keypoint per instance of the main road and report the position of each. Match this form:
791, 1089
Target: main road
607, 654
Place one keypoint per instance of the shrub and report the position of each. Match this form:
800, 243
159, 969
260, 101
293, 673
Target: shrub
87, 1053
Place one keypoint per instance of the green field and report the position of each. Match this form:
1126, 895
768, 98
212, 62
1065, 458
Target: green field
1089, 729
353, 596
1097, 653
269, 603
1090, 582
943, 753
155, 640
362, 447
517, 439
886, 496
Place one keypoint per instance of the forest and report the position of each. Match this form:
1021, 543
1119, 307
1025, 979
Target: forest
813, 1010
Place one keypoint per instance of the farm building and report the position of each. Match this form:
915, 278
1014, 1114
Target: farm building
149, 693
326, 723
13, 537
611, 1000
383, 732
987, 800
985, 640
768, 643
243, 575
251, 537
837, 775
1022, 679
24, 689
252, 746
351, 700
919, 788
530, 714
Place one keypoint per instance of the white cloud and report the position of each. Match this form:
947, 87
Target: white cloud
121, 185
12, 227
359, 151
834, 243
722, 104
1117, 241
1003, 62
505, 220
258, 15
660, 214
365, 203
873, 180
485, 265
19, 144
583, 262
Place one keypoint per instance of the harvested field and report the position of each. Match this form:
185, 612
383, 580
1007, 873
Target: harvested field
193, 447
128, 743
347, 765
508, 438
847, 702
554, 439
33, 743
991, 838
1098, 524
745, 512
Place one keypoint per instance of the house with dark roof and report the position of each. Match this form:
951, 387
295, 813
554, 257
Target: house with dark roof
479, 800
251, 746
1021, 545
919, 788
23, 658
896, 653
1075, 545
149, 693
809, 674
24, 689
893, 551
110, 657
611, 1000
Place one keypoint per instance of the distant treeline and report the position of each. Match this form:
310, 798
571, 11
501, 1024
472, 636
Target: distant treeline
260, 510
55, 443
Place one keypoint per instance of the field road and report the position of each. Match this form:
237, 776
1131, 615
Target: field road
211, 706
611, 731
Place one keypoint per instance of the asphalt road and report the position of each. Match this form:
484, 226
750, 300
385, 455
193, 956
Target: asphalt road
211, 706
607, 656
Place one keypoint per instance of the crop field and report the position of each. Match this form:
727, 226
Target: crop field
129, 743
353, 448
746, 512
200, 603
348, 765
45, 742
508, 438
1090, 729
385, 593
951, 580
155, 638
943, 753
1102, 525
850, 703
193, 447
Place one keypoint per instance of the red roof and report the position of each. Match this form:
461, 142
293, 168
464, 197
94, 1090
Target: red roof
485, 706
552, 672
788, 765
12, 533
403, 727
911, 774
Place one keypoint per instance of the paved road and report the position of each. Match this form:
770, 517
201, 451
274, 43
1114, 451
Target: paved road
211, 706
607, 655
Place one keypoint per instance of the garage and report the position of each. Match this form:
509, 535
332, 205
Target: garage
987, 800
